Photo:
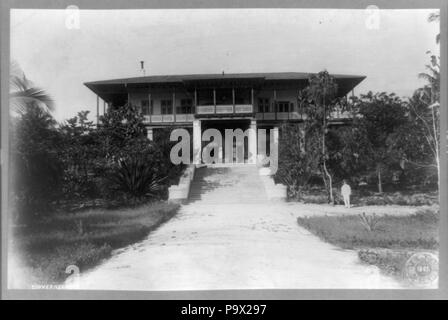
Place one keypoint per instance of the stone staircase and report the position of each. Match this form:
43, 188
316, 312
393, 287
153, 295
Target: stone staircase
218, 184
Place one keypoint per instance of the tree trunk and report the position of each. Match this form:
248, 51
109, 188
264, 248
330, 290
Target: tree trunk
436, 147
324, 178
380, 184
330, 183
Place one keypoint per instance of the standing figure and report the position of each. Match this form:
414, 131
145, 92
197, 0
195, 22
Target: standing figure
346, 191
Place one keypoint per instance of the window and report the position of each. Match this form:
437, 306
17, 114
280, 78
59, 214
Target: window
263, 104
283, 106
224, 96
146, 108
186, 107
166, 106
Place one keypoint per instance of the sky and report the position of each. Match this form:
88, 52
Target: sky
389, 47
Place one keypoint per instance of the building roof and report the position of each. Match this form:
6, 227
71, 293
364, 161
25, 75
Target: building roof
105, 87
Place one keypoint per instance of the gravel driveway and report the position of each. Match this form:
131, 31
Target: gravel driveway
233, 246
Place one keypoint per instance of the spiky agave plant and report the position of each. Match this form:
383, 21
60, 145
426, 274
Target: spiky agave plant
135, 177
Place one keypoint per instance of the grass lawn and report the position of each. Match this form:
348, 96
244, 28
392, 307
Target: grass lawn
84, 238
392, 241
369, 198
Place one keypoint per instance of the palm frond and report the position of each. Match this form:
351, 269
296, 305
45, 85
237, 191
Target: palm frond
434, 70
23, 93
20, 99
426, 77
15, 70
17, 84
434, 16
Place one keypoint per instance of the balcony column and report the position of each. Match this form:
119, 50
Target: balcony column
252, 142
149, 106
214, 98
275, 104
174, 106
252, 97
197, 142
97, 110
195, 100
233, 99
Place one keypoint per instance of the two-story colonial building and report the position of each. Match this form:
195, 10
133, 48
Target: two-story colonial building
220, 101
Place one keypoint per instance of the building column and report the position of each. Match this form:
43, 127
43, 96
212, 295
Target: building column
276, 135
273, 148
197, 141
150, 134
252, 142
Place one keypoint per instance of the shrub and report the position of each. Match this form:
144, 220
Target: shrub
115, 162
135, 179
391, 262
369, 221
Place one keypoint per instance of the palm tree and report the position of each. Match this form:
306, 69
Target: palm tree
432, 76
435, 16
430, 97
23, 93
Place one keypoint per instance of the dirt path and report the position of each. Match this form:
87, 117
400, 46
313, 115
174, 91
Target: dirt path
233, 246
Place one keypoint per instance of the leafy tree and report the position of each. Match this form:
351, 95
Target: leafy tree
319, 99
37, 170
80, 155
348, 150
379, 116
297, 161
122, 132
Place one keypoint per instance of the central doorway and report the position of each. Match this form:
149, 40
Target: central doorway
221, 126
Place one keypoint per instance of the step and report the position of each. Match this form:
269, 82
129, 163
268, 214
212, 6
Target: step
227, 184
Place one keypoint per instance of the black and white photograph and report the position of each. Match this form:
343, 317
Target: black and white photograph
207, 149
